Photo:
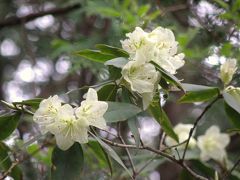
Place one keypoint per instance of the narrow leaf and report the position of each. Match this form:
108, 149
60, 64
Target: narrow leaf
111, 153
232, 98
233, 115
199, 96
117, 62
161, 117
101, 154
168, 77
133, 126
117, 52
94, 55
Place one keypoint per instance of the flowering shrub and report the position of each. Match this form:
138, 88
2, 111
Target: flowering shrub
139, 73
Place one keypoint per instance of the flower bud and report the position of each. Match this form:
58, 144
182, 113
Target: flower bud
227, 70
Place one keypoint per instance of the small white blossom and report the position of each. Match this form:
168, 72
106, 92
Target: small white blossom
136, 40
182, 131
227, 70
70, 125
69, 129
93, 110
213, 144
158, 46
47, 112
141, 77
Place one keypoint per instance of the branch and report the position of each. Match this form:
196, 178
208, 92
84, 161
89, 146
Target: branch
127, 151
163, 154
196, 123
14, 20
232, 169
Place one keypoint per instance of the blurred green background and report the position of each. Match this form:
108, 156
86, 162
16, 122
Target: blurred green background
38, 39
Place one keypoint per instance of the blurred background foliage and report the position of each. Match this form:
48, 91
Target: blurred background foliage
37, 60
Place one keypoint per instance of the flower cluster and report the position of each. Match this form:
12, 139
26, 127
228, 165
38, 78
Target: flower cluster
158, 46
212, 144
70, 124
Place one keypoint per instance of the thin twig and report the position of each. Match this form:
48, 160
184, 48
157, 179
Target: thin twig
196, 123
14, 20
127, 151
232, 169
163, 154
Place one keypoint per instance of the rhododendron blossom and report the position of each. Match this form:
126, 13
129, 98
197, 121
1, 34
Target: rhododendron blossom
212, 144
182, 131
71, 125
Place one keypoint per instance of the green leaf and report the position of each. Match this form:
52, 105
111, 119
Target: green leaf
161, 117
117, 52
8, 123
42, 156
107, 92
31, 102
143, 10
120, 111
100, 153
195, 87
133, 126
108, 12
202, 168
94, 55
67, 164
117, 62
199, 96
6, 163
232, 98
233, 115
168, 77
115, 73
111, 153
222, 4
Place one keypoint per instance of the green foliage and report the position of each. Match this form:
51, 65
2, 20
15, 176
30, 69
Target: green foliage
232, 100
120, 111
34, 103
168, 77
6, 163
107, 92
117, 62
199, 95
117, 52
67, 164
233, 115
8, 124
94, 55
101, 154
112, 153
158, 113
42, 156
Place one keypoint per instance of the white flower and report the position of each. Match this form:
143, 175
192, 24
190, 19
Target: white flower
227, 70
135, 41
93, 110
47, 112
69, 129
169, 63
158, 46
141, 77
164, 41
182, 131
213, 144
69, 125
